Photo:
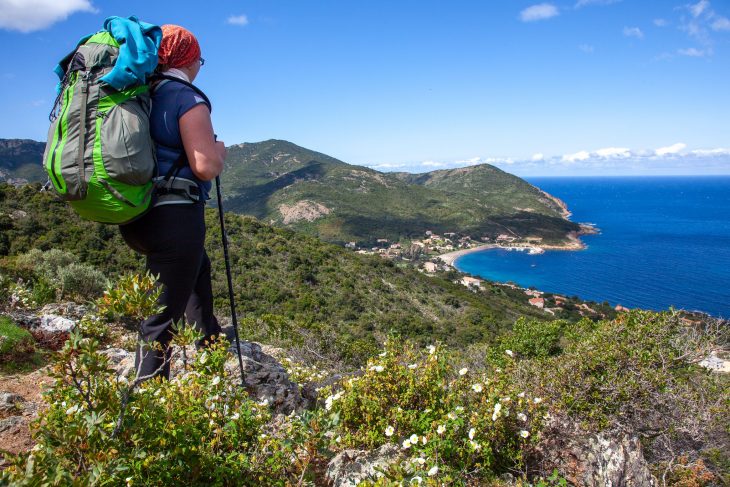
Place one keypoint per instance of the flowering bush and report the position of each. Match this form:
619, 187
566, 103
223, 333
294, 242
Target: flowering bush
449, 424
196, 429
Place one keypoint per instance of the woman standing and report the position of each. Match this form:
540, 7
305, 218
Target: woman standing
172, 234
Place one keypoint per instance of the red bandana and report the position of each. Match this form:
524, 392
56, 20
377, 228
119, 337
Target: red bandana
178, 48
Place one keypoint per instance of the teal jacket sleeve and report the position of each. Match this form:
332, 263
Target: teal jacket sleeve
138, 44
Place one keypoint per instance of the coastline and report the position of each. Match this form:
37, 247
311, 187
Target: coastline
574, 243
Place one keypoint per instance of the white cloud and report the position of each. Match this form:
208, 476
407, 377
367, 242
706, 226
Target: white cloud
31, 15
692, 52
699, 7
633, 32
587, 48
721, 23
578, 156
711, 152
538, 157
672, 149
541, 11
237, 20
613, 152
472, 161
387, 165
661, 22
433, 164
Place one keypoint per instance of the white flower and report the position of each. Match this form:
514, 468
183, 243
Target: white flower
423, 440
537, 400
434, 470
521, 394
417, 480
497, 409
522, 416
379, 368
235, 416
451, 416
216, 380
412, 366
477, 388
471, 433
389, 431
431, 349
463, 371
441, 429
419, 460
338, 439
382, 354
524, 433
406, 444
328, 403
414, 439
475, 445
72, 410
510, 353
203, 357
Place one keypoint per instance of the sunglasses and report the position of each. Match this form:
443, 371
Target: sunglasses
202, 61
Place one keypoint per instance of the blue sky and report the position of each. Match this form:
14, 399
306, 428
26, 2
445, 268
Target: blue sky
580, 87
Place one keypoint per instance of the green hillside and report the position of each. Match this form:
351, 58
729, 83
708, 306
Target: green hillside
285, 280
21, 159
284, 184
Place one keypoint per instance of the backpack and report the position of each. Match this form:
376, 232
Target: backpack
99, 154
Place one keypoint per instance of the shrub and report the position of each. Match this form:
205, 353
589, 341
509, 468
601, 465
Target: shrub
16, 343
197, 429
457, 425
60, 271
132, 298
81, 281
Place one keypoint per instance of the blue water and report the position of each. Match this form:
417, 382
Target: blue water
664, 241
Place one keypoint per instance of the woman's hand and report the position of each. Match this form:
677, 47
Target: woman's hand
204, 154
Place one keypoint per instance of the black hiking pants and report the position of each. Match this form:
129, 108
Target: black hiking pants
172, 237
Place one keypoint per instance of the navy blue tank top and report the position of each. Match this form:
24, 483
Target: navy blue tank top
170, 101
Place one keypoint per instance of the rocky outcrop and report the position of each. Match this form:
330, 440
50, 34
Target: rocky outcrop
264, 377
350, 467
593, 459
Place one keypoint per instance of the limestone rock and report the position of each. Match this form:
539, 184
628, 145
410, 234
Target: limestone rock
55, 324
594, 459
10, 403
266, 379
11, 424
350, 467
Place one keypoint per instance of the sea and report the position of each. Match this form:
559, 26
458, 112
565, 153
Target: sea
663, 242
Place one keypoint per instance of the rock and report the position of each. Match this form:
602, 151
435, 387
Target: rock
10, 403
350, 467
122, 360
593, 459
266, 379
55, 324
68, 310
10, 424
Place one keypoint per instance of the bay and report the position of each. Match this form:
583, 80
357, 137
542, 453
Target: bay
664, 241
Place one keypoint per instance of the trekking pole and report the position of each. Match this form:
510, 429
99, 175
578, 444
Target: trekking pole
228, 275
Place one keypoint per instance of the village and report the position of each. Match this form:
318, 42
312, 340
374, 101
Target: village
435, 254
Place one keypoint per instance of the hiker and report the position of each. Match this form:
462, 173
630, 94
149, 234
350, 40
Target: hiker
172, 234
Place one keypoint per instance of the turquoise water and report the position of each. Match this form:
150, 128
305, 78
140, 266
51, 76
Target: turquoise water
664, 241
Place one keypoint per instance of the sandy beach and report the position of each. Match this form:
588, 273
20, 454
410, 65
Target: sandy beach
450, 257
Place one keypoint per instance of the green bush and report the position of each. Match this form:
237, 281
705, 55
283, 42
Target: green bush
457, 425
132, 298
200, 428
16, 343
81, 281
58, 274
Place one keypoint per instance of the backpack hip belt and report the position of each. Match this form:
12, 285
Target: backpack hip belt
176, 191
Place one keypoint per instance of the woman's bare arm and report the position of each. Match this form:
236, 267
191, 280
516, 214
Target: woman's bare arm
205, 154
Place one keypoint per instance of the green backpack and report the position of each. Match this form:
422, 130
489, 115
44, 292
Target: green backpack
100, 156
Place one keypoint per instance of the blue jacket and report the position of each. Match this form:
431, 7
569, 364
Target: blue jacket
138, 44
